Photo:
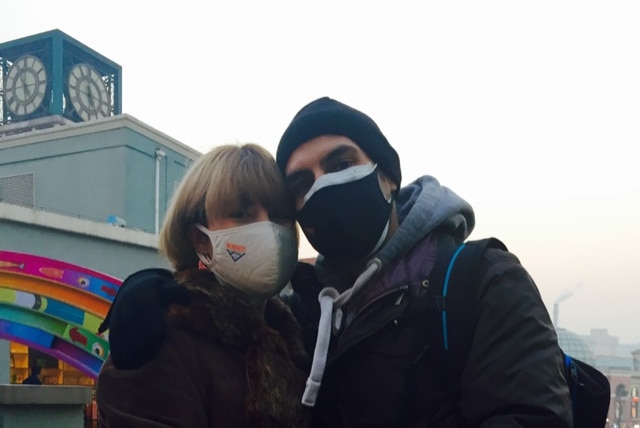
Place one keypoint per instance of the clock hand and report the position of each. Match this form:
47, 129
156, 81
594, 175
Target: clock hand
25, 86
90, 95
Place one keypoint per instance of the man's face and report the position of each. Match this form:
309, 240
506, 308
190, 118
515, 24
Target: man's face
317, 157
324, 155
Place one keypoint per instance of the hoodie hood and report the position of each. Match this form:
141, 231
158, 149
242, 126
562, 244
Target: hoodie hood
423, 206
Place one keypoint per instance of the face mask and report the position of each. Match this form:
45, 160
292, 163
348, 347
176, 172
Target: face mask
348, 212
258, 258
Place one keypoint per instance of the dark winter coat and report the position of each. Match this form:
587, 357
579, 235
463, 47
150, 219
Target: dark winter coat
221, 365
378, 374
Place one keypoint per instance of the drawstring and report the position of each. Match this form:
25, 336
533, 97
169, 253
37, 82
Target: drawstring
373, 267
330, 299
326, 298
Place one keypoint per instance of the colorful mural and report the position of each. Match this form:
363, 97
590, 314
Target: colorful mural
56, 308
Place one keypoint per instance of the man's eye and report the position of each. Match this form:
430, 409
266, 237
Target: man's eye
299, 188
341, 165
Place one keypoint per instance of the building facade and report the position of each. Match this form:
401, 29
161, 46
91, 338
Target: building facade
83, 189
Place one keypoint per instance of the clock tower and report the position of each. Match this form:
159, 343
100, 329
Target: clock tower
52, 75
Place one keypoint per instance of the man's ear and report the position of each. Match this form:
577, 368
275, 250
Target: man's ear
201, 242
388, 186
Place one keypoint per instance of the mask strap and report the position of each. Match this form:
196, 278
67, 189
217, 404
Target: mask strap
341, 177
205, 260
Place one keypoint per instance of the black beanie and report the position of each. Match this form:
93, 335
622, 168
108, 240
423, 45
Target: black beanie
326, 116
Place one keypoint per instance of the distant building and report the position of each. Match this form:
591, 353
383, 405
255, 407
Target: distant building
572, 344
602, 343
619, 362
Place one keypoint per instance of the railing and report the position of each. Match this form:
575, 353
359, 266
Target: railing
91, 415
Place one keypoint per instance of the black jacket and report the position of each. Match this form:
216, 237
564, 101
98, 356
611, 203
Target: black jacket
379, 375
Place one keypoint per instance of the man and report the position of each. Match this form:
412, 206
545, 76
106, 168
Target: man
376, 241
377, 245
34, 378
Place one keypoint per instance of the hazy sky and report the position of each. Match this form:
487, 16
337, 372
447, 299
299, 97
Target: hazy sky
529, 110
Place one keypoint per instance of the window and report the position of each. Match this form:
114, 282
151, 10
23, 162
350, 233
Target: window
18, 190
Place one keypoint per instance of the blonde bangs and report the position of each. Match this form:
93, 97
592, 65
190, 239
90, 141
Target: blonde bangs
246, 175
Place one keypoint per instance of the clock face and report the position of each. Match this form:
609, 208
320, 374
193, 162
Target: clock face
25, 85
88, 93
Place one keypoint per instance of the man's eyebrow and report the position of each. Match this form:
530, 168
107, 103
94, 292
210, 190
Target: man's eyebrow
336, 154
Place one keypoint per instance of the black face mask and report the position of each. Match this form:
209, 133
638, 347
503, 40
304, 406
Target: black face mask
350, 219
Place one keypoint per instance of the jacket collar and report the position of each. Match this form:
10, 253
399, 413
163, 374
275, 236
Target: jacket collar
221, 313
274, 356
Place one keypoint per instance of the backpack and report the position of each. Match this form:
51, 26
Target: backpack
450, 307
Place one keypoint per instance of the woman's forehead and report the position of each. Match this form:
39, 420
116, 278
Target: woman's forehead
242, 197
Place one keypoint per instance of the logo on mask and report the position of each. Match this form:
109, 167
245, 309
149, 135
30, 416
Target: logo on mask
236, 251
274, 257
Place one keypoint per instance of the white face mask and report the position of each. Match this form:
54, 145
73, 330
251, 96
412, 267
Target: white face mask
257, 259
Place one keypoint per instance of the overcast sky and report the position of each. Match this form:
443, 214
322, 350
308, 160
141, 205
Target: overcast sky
529, 110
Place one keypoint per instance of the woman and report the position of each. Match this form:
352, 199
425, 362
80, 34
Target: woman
233, 355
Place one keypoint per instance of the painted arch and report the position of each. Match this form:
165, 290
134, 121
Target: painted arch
56, 308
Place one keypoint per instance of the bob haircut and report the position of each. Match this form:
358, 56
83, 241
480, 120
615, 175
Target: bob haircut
222, 180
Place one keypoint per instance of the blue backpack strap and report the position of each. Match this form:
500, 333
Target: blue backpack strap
590, 393
445, 288
449, 321
571, 374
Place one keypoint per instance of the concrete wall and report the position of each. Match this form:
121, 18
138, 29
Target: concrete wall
5, 361
37, 406
108, 249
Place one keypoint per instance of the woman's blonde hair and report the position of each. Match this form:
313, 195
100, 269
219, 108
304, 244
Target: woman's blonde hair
227, 176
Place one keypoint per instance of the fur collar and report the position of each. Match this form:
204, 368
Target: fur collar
275, 357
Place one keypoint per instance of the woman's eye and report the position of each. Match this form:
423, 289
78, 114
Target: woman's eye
239, 214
